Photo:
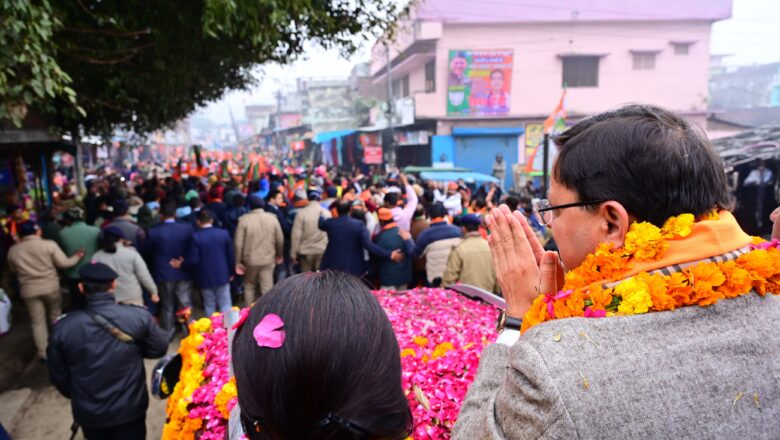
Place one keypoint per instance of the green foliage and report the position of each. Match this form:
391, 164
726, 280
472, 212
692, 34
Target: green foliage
143, 65
29, 72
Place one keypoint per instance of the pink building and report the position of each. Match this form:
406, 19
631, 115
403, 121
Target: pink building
474, 67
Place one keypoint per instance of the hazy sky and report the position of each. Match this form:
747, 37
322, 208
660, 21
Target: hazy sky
752, 35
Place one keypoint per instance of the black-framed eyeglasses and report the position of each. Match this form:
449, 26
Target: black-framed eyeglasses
543, 211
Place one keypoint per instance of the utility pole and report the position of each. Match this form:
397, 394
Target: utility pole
391, 145
80, 187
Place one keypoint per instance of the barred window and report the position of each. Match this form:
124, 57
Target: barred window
644, 60
581, 71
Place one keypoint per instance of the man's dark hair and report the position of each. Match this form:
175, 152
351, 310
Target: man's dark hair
437, 210
342, 360
513, 202
204, 216
470, 227
168, 209
392, 198
343, 207
120, 208
649, 159
195, 202
272, 194
238, 200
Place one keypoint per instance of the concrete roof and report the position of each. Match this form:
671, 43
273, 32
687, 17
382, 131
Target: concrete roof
514, 11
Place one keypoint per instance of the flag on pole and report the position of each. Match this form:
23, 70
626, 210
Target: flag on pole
556, 122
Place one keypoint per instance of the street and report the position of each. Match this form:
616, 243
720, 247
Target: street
30, 407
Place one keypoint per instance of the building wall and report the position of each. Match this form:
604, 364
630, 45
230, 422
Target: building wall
678, 82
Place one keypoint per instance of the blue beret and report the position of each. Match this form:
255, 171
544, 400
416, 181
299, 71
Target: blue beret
97, 273
471, 219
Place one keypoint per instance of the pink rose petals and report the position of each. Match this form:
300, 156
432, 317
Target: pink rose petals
242, 315
269, 332
441, 335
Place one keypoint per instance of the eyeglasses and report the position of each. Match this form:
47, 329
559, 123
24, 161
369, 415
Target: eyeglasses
543, 211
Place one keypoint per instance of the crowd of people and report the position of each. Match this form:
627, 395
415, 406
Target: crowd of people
687, 301
227, 241
143, 248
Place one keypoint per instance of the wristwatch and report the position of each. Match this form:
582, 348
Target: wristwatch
507, 322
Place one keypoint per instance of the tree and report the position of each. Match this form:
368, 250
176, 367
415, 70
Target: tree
143, 65
29, 72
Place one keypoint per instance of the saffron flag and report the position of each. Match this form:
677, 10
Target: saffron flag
556, 122
553, 125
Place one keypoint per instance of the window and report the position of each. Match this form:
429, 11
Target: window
681, 48
644, 60
401, 87
581, 71
430, 77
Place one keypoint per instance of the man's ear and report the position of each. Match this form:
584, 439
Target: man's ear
616, 222
81, 288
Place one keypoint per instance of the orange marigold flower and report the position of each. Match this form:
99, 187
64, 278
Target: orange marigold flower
571, 306
536, 314
680, 289
738, 280
599, 296
705, 277
603, 264
658, 287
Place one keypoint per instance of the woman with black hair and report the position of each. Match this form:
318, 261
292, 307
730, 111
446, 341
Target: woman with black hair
335, 372
129, 265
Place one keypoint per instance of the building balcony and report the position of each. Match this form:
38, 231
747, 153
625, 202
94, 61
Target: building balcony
407, 47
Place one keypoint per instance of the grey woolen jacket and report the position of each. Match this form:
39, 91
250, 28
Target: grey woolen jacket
695, 373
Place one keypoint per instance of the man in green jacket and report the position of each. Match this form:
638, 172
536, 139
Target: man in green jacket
74, 236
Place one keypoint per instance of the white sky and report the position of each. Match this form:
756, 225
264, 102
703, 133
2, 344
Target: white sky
751, 36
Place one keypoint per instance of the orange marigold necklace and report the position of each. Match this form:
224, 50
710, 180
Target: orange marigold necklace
600, 286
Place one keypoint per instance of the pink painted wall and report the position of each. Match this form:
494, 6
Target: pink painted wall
678, 82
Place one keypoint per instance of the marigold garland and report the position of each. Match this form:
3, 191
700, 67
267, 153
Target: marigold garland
200, 404
702, 284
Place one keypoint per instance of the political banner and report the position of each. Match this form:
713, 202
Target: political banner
479, 82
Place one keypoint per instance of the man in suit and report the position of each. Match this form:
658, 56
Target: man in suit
210, 257
392, 275
166, 244
661, 374
347, 238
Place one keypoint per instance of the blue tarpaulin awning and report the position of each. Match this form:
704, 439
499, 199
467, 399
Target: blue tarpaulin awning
452, 176
326, 136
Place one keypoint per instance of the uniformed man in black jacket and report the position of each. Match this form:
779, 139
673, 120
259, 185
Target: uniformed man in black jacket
95, 359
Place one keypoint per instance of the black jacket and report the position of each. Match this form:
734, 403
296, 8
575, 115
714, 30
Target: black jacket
103, 377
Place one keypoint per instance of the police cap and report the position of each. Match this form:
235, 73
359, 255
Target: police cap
97, 273
471, 219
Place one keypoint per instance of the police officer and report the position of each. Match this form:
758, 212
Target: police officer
96, 357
